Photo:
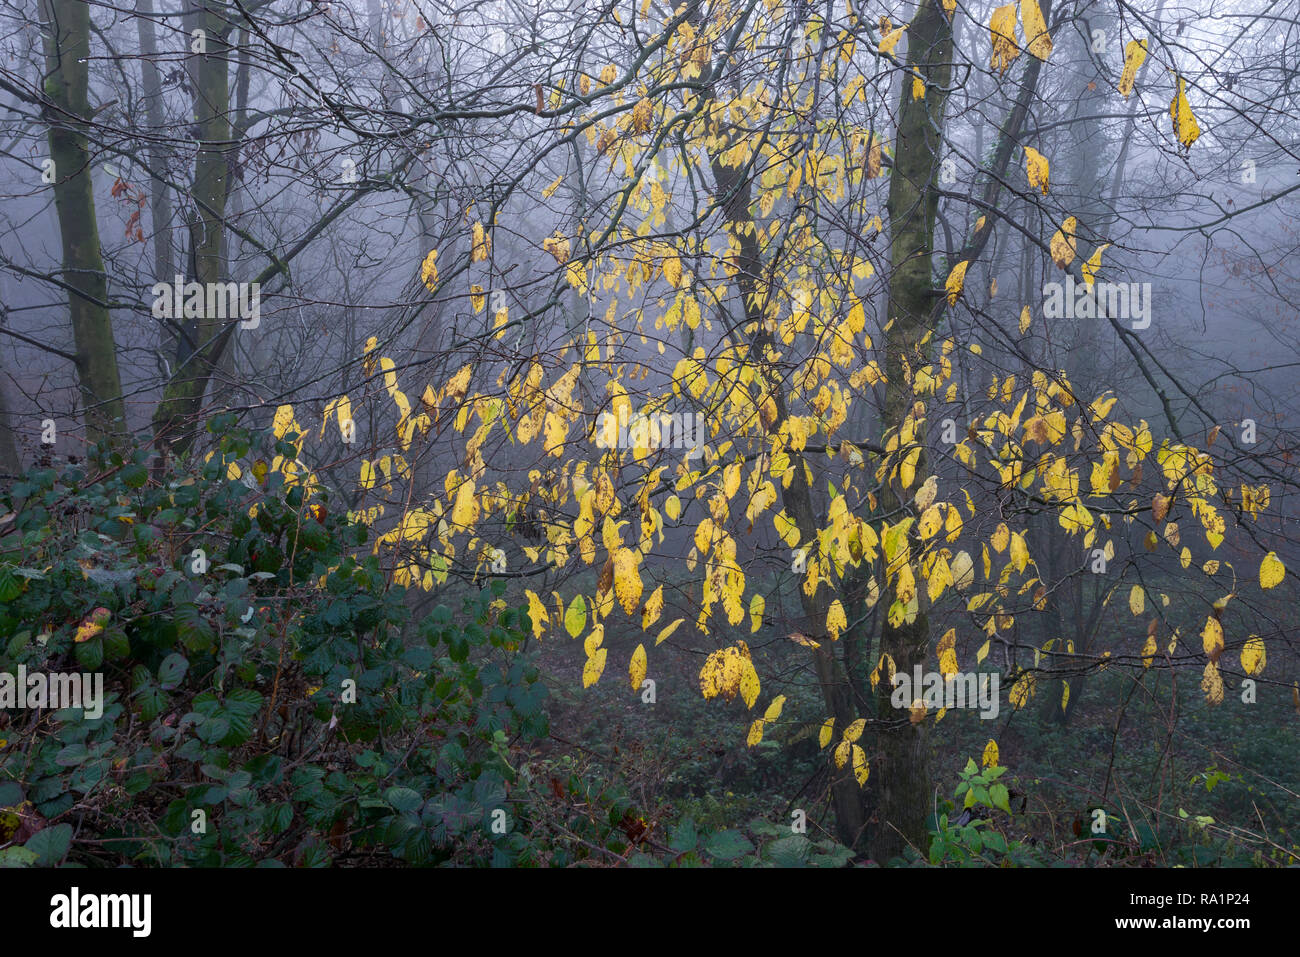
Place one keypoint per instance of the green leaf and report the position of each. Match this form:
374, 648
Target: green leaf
9, 585
684, 837
1000, 798
51, 844
728, 845
17, 857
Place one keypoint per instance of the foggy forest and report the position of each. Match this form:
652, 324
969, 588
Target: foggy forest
629, 433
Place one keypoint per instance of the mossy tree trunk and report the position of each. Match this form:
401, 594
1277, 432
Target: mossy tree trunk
67, 113
902, 790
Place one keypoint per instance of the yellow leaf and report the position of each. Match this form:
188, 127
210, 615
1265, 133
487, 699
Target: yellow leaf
1212, 637
842, 752
1037, 40
931, 522
673, 269
283, 419
1062, 245
836, 620
1089, 269
1149, 650
861, 770
1185, 127
481, 247
559, 248
1002, 31
1025, 320
1135, 51
774, 709
673, 507
1019, 552
591, 671
575, 617
1021, 691
429, 271
466, 510
1253, 657
918, 88
824, 735
537, 613
1000, 538
1271, 571
755, 733
1037, 168
947, 651
627, 579
1137, 600
854, 730
990, 758
956, 281
653, 608
890, 40
93, 625
668, 630
636, 670
926, 493
749, 686
1212, 684
756, 607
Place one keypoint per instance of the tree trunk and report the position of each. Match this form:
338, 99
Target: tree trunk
901, 775
67, 108
183, 396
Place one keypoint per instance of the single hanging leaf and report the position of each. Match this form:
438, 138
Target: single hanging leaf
836, 621
774, 709
1180, 111
653, 608
1271, 571
591, 671
537, 613
956, 281
1002, 31
1062, 245
1253, 657
1135, 51
283, 419
636, 670
1089, 269
1037, 168
1212, 684
575, 618
1136, 600
749, 686
824, 735
429, 271
668, 630
861, 770
990, 757
1212, 638
1037, 40
890, 40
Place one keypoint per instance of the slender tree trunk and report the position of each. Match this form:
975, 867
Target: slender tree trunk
183, 397
160, 201
67, 109
901, 775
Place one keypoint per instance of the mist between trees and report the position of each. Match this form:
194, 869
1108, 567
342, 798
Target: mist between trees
700, 372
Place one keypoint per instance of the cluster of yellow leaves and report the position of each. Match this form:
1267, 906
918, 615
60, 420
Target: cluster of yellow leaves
729, 671
848, 748
1002, 32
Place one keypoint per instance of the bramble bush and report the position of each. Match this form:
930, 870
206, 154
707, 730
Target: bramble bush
269, 699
